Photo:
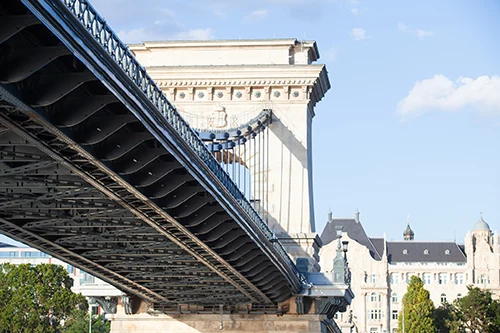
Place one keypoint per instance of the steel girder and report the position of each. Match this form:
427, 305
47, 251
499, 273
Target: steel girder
84, 179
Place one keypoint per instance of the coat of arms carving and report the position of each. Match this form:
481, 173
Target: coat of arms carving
218, 118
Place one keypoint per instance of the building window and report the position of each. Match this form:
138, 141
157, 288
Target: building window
70, 269
373, 297
86, 278
10, 254
443, 278
459, 278
483, 279
426, 252
447, 252
394, 298
443, 298
373, 278
373, 330
394, 314
95, 310
375, 314
34, 254
459, 295
427, 278
394, 278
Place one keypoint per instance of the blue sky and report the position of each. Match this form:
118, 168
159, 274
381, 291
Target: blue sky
411, 124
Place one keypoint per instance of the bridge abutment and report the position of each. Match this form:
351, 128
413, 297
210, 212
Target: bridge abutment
211, 323
214, 323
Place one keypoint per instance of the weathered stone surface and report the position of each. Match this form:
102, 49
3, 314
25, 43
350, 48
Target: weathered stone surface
203, 323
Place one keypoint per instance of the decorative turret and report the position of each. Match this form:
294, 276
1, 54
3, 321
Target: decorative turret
481, 225
408, 235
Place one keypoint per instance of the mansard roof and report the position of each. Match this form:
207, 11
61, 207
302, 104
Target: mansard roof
354, 230
424, 251
379, 244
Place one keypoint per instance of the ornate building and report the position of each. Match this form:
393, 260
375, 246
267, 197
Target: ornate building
382, 269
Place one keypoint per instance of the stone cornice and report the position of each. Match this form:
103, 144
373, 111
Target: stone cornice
240, 43
314, 78
234, 83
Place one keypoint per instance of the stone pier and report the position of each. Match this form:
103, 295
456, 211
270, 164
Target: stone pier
212, 323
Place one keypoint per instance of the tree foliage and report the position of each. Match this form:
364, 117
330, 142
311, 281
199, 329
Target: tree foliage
36, 298
80, 323
476, 312
418, 309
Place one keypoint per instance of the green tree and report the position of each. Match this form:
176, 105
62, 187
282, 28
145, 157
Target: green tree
447, 320
476, 312
36, 298
80, 323
418, 309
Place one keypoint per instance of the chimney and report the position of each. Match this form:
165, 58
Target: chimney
330, 215
356, 216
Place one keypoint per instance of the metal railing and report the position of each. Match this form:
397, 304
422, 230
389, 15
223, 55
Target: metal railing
123, 57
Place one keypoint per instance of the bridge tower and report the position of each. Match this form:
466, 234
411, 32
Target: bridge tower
223, 84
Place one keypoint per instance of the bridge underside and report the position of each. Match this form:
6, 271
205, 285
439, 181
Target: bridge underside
84, 178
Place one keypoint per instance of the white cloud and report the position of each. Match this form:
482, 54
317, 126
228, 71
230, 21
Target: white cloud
354, 11
358, 34
196, 34
440, 93
419, 33
157, 32
257, 15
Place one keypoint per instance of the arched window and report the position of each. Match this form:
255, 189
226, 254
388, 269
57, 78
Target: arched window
459, 295
373, 297
443, 298
394, 298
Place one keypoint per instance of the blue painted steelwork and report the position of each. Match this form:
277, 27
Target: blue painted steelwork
123, 57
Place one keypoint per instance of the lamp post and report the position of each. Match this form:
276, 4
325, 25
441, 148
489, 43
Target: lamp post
90, 319
340, 269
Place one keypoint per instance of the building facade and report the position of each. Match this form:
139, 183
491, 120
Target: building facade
84, 283
382, 269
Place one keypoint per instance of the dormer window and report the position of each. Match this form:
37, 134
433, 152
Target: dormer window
405, 251
426, 252
447, 252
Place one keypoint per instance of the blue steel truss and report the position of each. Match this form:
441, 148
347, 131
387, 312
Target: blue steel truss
100, 31
86, 36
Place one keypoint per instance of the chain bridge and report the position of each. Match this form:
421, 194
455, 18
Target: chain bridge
99, 169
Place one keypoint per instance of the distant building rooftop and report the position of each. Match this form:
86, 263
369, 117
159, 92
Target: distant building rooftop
424, 251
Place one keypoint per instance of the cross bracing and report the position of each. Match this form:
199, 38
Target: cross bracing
94, 171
